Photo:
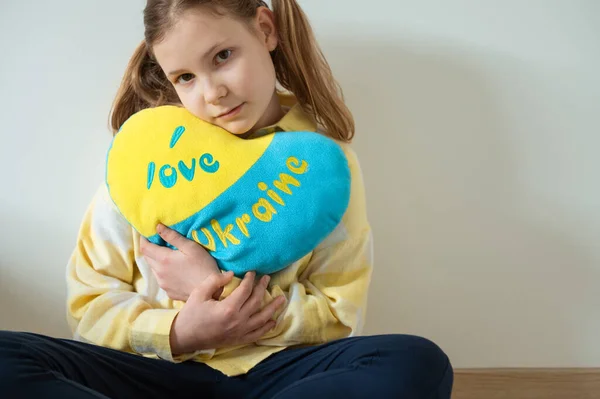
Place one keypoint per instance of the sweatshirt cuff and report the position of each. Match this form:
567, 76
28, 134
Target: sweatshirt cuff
150, 335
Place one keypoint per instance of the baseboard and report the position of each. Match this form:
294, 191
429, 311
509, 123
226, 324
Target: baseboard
527, 383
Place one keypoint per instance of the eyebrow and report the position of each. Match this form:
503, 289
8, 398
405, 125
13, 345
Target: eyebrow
209, 51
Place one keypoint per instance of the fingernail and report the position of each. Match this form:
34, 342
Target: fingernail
160, 228
267, 279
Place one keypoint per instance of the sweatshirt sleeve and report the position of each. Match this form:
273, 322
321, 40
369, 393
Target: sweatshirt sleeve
103, 306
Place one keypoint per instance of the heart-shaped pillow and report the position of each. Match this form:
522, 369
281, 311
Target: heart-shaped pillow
258, 204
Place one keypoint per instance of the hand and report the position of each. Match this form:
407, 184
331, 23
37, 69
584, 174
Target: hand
179, 271
204, 323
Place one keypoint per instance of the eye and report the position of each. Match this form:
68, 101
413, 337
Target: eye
223, 56
185, 78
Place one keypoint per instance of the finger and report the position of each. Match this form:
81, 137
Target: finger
154, 265
253, 303
143, 243
255, 335
217, 295
212, 284
173, 237
240, 295
153, 251
266, 314
226, 279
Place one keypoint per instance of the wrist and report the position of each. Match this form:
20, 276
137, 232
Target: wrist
180, 342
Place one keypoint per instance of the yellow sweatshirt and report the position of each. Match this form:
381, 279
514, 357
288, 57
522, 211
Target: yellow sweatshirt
114, 299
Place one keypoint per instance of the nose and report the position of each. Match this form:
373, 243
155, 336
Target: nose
214, 92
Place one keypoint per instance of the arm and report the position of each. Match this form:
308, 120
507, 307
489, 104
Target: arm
329, 299
103, 306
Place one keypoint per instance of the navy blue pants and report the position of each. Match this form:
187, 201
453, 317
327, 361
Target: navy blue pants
388, 366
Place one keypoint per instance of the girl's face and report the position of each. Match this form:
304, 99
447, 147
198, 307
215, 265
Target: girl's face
222, 71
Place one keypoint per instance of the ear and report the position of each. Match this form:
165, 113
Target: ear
267, 29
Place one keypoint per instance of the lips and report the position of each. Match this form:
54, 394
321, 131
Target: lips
231, 112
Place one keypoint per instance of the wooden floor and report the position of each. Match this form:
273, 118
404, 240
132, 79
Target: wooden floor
527, 384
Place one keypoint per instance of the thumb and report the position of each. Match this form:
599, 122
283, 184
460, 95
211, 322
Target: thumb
212, 284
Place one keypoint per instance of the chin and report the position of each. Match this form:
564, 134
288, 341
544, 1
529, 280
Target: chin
238, 128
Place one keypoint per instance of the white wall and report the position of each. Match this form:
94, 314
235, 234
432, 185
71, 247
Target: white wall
478, 132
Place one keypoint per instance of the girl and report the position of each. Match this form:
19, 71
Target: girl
144, 319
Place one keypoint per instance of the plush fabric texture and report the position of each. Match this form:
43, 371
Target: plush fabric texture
258, 204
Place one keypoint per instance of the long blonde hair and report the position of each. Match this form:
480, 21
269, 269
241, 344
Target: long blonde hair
300, 66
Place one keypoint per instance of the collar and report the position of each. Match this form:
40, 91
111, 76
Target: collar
295, 118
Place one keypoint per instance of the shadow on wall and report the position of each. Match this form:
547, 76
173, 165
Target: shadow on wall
32, 289
34, 310
459, 244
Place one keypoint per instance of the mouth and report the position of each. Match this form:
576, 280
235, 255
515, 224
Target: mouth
232, 112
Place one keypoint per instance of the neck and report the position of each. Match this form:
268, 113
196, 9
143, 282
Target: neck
272, 115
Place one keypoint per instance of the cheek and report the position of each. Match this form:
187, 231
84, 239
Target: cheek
254, 79
191, 101
266, 71
266, 77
